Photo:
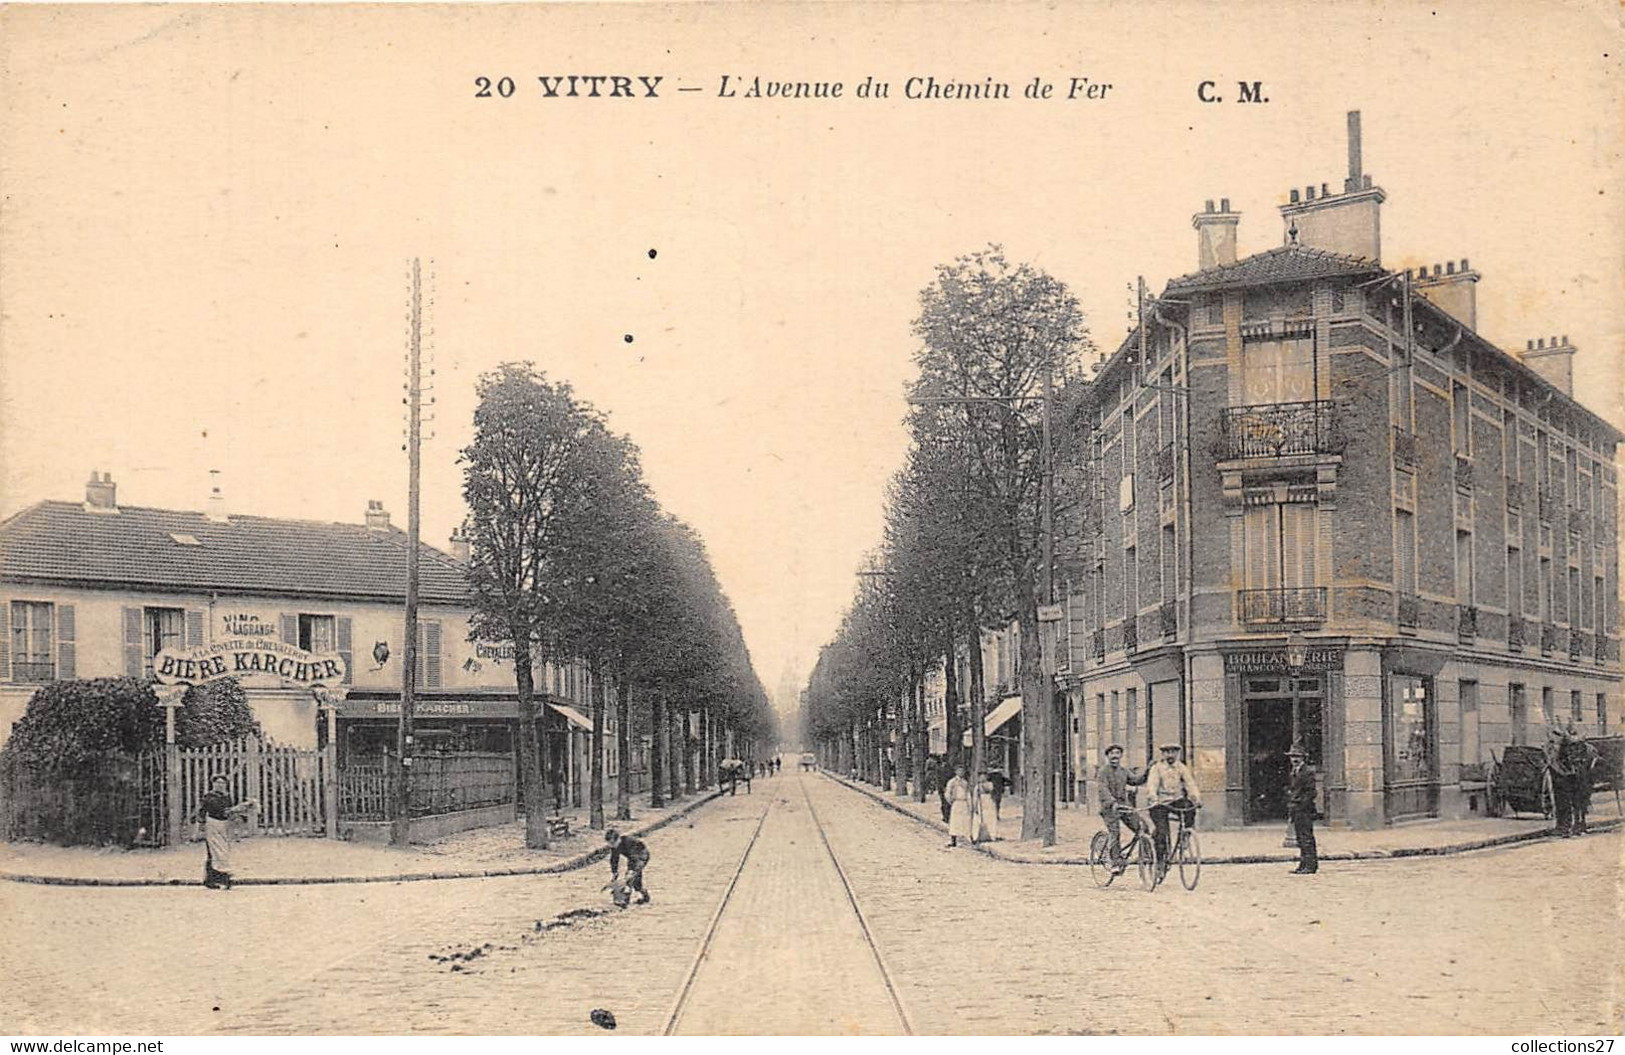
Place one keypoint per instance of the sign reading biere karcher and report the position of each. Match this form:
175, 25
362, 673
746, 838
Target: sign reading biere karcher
241, 657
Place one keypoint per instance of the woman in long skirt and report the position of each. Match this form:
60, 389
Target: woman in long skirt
216, 812
958, 794
986, 814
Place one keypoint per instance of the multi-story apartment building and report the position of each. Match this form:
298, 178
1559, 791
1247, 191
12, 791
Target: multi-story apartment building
1321, 507
95, 589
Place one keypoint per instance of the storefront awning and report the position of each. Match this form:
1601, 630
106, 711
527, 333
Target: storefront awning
574, 716
1006, 710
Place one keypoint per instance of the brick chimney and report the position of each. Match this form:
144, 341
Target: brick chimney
101, 495
216, 510
1554, 362
459, 544
1455, 290
377, 515
1215, 235
1349, 223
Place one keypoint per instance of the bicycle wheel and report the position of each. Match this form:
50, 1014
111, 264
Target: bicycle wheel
1190, 860
1145, 861
1100, 862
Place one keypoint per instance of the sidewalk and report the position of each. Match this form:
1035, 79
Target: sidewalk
272, 860
1076, 824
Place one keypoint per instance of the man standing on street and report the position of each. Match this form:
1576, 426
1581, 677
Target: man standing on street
1581, 758
1300, 807
1560, 773
1113, 782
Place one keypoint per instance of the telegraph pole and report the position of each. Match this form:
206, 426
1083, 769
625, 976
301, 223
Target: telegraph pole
400, 831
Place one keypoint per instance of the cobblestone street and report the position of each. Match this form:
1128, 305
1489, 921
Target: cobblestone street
1506, 941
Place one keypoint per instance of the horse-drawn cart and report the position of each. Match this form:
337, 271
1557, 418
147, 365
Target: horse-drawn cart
1519, 781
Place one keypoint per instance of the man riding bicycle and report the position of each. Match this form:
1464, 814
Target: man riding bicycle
1116, 806
1169, 786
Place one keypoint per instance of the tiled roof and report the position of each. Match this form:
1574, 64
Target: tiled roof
1287, 263
137, 547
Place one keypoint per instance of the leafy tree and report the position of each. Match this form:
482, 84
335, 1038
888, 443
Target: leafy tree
67, 723
214, 713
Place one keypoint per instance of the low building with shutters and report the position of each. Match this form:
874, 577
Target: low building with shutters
96, 589
1313, 504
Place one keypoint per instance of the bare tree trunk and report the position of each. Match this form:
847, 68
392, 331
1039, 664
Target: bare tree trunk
978, 701
688, 753
1037, 710
675, 737
530, 770
922, 739
623, 745
595, 794
659, 745
900, 747
950, 702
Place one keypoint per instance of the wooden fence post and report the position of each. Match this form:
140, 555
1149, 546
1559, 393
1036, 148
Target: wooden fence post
172, 792
252, 764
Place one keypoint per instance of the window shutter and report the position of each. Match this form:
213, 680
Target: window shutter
66, 657
341, 630
194, 628
5, 640
1406, 567
431, 655
132, 642
290, 629
1261, 539
1298, 543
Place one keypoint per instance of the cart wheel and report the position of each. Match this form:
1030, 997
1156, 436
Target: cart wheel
1100, 864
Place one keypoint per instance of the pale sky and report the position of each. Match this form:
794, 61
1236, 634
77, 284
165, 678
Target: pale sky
208, 213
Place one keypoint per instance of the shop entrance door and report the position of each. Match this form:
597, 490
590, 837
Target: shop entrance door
1279, 712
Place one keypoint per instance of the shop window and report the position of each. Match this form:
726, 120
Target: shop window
1411, 730
31, 623
1518, 714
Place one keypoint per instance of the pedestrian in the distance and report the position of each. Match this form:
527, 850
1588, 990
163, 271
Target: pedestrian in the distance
997, 783
985, 817
216, 813
637, 859
1300, 807
958, 796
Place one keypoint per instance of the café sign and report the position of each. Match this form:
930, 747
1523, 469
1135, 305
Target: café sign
238, 657
1274, 661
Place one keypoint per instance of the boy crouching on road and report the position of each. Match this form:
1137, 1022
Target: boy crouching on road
637, 858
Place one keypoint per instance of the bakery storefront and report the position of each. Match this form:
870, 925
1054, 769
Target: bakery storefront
1280, 696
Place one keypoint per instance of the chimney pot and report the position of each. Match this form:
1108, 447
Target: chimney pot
1531, 346
1224, 204
1541, 343
1210, 205
1294, 195
1464, 266
1324, 193
1450, 268
1554, 340
101, 493
377, 515
1565, 340
1309, 193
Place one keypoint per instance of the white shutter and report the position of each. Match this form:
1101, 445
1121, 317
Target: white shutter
1262, 536
1298, 543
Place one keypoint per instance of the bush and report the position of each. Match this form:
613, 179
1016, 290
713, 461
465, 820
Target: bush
70, 723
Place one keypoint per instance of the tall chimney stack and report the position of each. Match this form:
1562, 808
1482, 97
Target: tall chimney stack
1552, 360
1453, 290
216, 510
1349, 223
101, 494
377, 515
1215, 235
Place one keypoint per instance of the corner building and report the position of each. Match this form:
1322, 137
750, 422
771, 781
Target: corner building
1315, 504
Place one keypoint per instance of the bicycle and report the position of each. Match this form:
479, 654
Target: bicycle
1139, 849
1186, 852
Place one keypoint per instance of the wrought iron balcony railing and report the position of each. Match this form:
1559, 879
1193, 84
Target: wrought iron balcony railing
1548, 638
1515, 633
1097, 643
1604, 648
1514, 494
1578, 643
1547, 504
1274, 430
1290, 604
33, 672
1464, 472
1405, 454
1466, 622
1168, 619
1410, 610
1131, 635
1165, 464
1577, 522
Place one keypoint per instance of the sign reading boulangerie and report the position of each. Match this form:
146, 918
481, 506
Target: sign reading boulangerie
245, 657
1274, 660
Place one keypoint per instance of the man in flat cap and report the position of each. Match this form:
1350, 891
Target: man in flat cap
1112, 782
1169, 786
1300, 809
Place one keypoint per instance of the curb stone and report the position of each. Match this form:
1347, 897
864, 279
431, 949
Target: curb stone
1244, 859
568, 864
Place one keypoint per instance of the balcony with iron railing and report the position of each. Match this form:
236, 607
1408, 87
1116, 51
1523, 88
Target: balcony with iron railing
1131, 635
1097, 643
1168, 619
1604, 649
1579, 644
1464, 473
1466, 622
1515, 633
1278, 605
1277, 430
1410, 610
1405, 450
1548, 639
32, 672
1165, 464
1514, 494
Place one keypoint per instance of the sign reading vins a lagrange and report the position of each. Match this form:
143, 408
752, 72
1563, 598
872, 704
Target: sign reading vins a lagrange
245, 657
1273, 661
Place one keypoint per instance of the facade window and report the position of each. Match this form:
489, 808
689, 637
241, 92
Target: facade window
1518, 714
1602, 714
1131, 583
1547, 608
1404, 551
1464, 567
1548, 707
1277, 372
318, 633
1469, 723
31, 640
1509, 443
1576, 707
1411, 731
1130, 456
1574, 597
1281, 545
164, 628
1599, 604
1169, 584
